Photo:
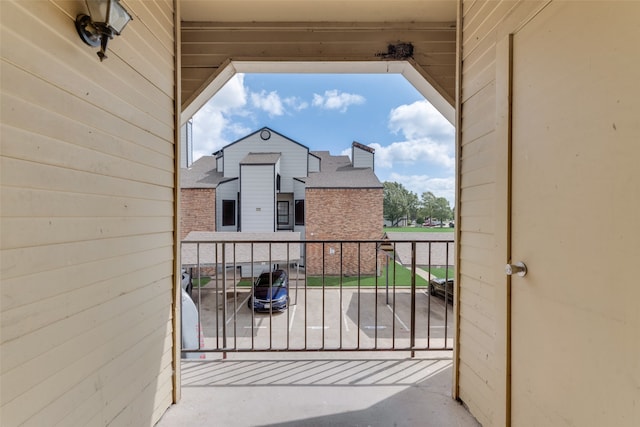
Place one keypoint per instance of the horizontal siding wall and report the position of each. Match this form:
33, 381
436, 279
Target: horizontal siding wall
292, 162
483, 205
87, 217
257, 198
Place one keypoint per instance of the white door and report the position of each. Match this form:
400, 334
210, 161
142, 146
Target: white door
575, 212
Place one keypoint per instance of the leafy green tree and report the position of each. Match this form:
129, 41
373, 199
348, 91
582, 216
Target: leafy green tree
442, 209
428, 204
398, 202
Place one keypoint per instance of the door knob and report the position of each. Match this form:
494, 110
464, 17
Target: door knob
518, 268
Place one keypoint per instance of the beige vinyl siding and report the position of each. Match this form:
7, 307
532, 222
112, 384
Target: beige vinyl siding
483, 206
87, 217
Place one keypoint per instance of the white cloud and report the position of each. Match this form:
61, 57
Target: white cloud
295, 103
215, 117
268, 102
335, 100
414, 152
420, 120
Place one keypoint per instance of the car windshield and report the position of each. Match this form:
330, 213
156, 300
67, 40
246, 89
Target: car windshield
263, 280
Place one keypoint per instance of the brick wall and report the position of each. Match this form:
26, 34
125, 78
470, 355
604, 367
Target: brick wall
198, 210
343, 214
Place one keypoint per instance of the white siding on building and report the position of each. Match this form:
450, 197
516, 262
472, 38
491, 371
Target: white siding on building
257, 198
314, 163
87, 218
362, 158
186, 145
293, 157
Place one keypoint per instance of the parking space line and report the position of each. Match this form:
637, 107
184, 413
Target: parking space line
293, 314
397, 317
240, 306
344, 317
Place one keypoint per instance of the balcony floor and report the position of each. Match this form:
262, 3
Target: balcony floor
318, 389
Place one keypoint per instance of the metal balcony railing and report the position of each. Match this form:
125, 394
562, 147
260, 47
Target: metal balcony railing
358, 295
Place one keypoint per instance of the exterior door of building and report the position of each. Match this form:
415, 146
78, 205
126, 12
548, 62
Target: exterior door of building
574, 200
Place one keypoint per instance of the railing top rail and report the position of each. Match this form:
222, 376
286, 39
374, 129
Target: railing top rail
316, 241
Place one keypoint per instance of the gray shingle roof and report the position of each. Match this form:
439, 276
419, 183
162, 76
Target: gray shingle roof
337, 172
202, 174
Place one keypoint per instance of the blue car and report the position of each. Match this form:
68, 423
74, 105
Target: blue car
270, 292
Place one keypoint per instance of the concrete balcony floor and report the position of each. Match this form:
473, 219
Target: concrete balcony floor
318, 389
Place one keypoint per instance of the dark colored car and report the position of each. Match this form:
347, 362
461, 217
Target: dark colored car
270, 292
441, 287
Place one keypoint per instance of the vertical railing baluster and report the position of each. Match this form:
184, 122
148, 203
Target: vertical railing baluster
270, 296
393, 300
200, 333
288, 296
306, 299
224, 299
341, 283
217, 282
375, 300
251, 302
413, 298
446, 295
359, 326
429, 299
323, 302
235, 300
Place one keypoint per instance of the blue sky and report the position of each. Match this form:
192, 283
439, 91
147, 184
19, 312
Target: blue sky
414, 144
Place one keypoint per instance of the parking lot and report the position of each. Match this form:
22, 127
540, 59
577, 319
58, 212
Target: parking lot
329, 319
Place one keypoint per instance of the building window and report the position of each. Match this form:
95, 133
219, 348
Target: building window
228, 212
299, 214
283, 213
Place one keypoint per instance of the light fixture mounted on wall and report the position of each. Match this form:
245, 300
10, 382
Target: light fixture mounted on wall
106, 19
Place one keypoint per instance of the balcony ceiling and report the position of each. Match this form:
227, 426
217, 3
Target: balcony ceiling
318, 10
220, 37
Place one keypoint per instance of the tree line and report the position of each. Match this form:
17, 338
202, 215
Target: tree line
400, 203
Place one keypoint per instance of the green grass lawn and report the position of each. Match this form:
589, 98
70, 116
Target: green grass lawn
419, 229
198, 283
402, 278
440, 272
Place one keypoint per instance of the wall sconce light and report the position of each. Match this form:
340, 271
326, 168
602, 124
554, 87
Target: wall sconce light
107, 18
